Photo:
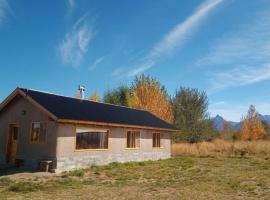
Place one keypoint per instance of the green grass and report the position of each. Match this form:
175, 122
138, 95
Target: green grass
176, 178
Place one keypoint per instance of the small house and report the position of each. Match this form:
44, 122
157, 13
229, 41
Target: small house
73, 133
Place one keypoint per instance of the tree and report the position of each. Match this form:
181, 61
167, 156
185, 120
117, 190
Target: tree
149, 94
191, 117
94, 97
228, 132
119, 96
251, 126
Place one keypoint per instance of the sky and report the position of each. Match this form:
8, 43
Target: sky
218, 46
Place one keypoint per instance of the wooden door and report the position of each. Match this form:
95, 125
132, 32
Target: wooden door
12, 143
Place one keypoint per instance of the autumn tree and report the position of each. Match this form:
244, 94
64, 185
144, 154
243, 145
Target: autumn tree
251, 126
190, 107
119, 96
94, 97
148, 94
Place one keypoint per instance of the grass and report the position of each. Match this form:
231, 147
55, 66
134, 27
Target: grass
221, 147
215, 177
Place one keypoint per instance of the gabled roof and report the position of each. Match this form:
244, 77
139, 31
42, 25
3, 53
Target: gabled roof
72, 109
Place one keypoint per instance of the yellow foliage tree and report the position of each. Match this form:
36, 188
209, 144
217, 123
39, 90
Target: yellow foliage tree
148, 94
94, 97
251, 126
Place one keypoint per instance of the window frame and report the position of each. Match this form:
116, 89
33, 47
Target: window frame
31, 128
160, 142
91, 129
133, 148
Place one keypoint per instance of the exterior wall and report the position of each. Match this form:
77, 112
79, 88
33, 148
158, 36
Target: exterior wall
69, 158
30, 153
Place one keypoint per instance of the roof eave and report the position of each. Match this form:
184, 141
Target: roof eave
67, 121
18, 91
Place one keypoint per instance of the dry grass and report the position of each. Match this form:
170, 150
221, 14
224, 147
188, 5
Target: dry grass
222, 147
177, 178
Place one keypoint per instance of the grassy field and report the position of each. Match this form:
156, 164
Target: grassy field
221, 147
176, 178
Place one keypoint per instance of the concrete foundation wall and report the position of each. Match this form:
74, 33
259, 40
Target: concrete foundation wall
75, 162
69, 158
29, 152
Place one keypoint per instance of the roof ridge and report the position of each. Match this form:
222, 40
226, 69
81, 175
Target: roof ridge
81, 99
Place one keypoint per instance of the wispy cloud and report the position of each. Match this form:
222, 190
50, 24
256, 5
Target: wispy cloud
241, 58
240, 76
96, 63
175, 38
76, 42
4, 10
70, 6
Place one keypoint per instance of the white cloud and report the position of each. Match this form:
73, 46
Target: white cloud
241, 58
240, 76
76, 42
177, 36
71, 3
4, 10
95, 64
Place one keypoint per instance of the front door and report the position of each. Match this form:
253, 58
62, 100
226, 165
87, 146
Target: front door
12, 143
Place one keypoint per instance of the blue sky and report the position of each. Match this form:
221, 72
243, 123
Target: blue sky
220, 46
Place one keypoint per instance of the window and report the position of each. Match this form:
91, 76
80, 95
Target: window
38, 132
92, 139
133, 139
157, 140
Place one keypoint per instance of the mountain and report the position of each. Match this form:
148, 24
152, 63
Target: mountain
219, 122
265, 118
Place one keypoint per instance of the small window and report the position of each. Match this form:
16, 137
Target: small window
133, 139
157, 140
38, 132
92, 139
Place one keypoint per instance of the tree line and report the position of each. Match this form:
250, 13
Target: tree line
187, 109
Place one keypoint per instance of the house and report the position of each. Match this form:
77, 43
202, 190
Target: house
37, 126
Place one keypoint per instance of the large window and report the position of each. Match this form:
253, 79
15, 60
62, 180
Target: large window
92, 139
133, 139
157, 140
38, 132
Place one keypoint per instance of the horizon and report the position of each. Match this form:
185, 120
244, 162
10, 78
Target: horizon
221, 47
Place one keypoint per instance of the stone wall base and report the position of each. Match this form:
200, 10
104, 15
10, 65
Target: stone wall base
77, 162
32, 163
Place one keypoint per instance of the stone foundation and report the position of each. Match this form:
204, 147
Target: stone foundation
76, 162
32, 163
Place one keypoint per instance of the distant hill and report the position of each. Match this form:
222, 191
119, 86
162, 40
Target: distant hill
219, 122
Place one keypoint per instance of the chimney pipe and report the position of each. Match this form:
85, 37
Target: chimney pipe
82, 91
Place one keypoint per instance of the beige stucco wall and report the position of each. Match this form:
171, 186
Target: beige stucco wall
117, 151
66, 141
26, 150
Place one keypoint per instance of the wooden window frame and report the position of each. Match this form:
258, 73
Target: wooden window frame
91, 129
38, 142
133, 148
161, 135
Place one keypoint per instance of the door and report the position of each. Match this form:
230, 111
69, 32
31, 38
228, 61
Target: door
12, 143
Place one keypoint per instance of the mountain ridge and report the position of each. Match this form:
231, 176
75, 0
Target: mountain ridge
219, 122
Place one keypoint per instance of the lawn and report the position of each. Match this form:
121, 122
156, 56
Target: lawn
175, 178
